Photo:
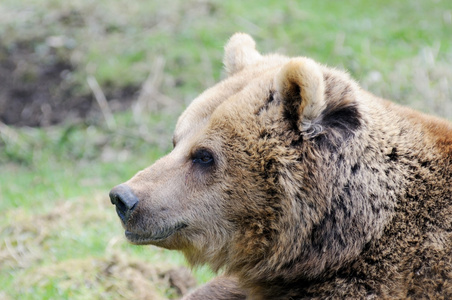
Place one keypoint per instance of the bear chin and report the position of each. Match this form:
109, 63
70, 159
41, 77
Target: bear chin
154, 238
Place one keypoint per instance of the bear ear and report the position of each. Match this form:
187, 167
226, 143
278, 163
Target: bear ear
300, 86
239, 52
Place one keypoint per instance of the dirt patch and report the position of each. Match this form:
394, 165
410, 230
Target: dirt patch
37, 89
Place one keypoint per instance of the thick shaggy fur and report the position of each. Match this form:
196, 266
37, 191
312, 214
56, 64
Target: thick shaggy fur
311, 188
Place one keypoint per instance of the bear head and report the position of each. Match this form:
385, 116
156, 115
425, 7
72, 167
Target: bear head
260, 180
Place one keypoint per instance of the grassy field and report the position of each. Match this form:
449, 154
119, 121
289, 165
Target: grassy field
59, 235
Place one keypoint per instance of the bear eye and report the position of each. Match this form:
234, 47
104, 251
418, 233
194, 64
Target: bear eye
203, 157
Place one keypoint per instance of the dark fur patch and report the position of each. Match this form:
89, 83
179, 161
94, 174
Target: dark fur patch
355, 168
393, 156
270, 99
268, 168
297, 142
264, 134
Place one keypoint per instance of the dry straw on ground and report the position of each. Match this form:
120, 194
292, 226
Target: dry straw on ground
27, 246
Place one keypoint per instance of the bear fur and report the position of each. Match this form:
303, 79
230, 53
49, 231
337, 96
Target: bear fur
298, 184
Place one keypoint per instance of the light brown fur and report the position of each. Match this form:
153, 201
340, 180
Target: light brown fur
316, 188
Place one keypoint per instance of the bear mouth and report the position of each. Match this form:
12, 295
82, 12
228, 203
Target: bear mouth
157, 236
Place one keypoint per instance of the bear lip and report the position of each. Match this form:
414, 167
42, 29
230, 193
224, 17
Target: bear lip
160, 235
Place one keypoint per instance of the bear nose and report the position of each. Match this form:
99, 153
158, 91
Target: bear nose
125, 201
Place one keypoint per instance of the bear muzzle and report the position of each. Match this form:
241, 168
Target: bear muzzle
126, 203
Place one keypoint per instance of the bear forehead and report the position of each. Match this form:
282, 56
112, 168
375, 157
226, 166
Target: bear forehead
232, 101
245, 103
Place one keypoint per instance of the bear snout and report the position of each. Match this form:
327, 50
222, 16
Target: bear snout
125, 201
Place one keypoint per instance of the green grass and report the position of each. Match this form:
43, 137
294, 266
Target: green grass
118, 42
59, 235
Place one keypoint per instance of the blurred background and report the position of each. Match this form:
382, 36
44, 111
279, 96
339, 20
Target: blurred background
90, 91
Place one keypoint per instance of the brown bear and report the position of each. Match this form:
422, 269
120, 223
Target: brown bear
298, 184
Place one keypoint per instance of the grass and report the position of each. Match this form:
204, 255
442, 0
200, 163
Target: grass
59, 236
361, 36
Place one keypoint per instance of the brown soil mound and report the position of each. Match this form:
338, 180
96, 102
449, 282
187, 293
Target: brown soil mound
37, 90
